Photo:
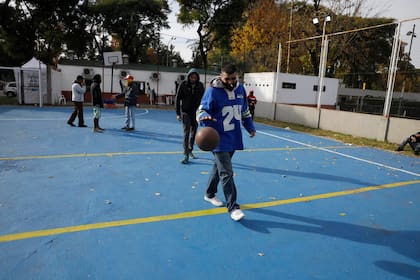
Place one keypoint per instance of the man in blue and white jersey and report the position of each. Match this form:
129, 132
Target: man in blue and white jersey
224, 107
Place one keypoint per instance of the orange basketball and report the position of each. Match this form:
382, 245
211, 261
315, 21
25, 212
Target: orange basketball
207, 138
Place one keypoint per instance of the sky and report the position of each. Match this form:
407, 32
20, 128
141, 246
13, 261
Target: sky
178, 36
402, 10
181, 38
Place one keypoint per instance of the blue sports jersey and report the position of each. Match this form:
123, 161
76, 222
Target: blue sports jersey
229, 109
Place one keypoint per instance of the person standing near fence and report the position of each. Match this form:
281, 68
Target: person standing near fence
78, 90
187, 100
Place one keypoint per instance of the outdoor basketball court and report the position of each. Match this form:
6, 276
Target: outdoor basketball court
119, 205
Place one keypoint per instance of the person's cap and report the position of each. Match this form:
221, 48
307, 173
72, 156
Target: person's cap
129, 77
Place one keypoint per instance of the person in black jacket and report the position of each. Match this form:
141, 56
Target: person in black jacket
97, 102
413, 141
188, 99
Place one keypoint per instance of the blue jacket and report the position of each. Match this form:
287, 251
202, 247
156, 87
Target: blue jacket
230, 111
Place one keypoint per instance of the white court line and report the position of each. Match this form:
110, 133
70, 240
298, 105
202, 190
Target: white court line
341, 154
66, 118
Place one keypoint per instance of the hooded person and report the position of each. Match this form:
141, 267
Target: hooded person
413, 141
188, 98
97, 102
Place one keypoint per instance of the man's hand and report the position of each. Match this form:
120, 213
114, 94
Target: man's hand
207, 118
252, 134
178, 117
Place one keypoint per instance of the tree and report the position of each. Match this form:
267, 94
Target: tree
355, 57
38, 28
214, 18
16, 36
48, 29
255, 43
362, 54
358, 57
135, 24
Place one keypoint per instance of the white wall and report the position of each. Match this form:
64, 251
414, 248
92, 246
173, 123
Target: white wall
265, 110
400, 129
307, 116
263, 85
165, 85
357, 124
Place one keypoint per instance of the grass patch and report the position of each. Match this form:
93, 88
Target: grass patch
345, 138
4, 100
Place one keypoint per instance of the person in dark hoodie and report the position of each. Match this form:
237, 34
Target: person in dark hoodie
97, 102
188, 99
413, 141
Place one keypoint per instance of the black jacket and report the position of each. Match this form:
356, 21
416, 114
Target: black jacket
189, 96
96, 95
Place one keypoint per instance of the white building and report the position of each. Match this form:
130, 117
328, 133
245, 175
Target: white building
291, 89
40, 84
160, 78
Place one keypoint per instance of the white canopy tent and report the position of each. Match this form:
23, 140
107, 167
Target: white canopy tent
34, 79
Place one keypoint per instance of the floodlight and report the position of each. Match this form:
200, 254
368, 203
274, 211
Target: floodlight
409, 33
315, 21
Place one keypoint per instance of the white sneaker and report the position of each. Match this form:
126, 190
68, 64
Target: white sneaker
214, 200
237, 214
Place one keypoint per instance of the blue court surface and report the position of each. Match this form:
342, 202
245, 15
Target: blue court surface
119, 205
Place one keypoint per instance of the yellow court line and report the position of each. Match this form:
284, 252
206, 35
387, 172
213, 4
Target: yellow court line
111, 154
193, 214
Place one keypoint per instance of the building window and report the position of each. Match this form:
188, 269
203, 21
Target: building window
289, 85
316, 88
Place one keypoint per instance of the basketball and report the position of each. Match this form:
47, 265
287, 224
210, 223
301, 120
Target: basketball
207, 138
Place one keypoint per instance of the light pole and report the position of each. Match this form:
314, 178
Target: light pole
413, 35
167, 54
290, 37
322, 59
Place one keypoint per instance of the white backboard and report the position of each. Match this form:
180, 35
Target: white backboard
112, 58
